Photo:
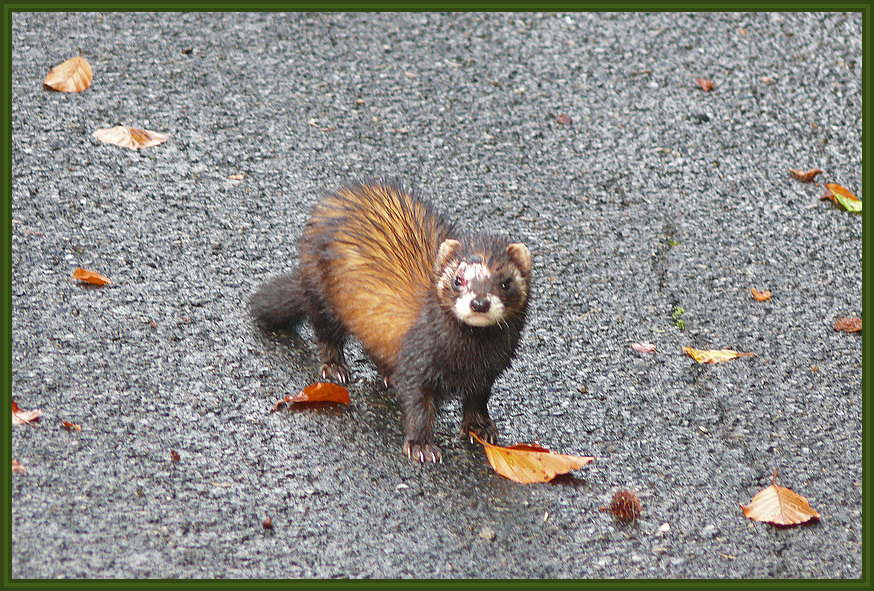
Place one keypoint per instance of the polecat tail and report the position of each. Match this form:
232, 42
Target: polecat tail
280, 302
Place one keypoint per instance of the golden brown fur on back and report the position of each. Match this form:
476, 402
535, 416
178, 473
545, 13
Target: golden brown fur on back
371, 250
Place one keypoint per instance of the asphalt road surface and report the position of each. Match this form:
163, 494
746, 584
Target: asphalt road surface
651, 207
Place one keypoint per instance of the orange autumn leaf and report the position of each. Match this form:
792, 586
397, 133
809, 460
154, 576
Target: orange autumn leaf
805, 177
20, 417
848, 324
16, 467
318, 392
73, 75
760, 295
712, 355
71, 426
527, 462
779, 506
90, 277
130, 137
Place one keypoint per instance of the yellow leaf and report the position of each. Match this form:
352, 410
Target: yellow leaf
90, 277
713, 356
527, 463
130, 137
780, 506
73, 75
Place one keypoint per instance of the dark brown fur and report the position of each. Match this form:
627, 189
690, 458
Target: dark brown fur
380, 264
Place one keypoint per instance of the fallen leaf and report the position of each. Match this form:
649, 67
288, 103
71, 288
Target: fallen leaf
71, 426
713, 356
705, 84
779, 506
849, 324
843, 198
527, 462
761, 295
267, 523
805, 177
130, 137
625, 506
318, 392
237, 177
90, 277
20, 417
174, 456
16, 467
643, 347
564, 119
73, 75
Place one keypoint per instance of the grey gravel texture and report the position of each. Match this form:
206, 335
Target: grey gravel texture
655, 196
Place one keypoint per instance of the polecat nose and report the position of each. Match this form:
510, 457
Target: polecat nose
479, 305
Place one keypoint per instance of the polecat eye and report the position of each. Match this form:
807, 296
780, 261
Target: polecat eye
505, 284
459, 281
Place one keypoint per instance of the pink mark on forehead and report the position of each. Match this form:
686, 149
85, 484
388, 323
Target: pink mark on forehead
471, 271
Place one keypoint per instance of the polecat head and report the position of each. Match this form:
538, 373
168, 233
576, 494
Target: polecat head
485, 282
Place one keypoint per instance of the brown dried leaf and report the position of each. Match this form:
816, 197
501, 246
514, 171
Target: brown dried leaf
174, 456
90, 277
564, 119
20, 417
779, 506
16, 467
849, 324
760, 295
130, 137
805, 177
713, 356
73, 75
643, 347
527, 462
705, 84
71, 426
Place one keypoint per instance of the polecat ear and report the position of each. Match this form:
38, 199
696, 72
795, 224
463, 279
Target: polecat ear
447, 250
520, 255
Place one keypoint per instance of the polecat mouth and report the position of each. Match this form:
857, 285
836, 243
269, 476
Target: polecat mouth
479, 310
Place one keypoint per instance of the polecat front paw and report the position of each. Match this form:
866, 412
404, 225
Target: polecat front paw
423, 452
335, 371
481, 425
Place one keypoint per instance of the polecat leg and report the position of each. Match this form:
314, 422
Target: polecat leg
330, 335
476, 418
419, 410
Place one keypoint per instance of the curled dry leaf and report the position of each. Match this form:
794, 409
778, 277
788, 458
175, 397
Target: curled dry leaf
705, 84
849, 324
564, 119
71, 426
779, 506
527, 463
843, 198
16, 467
174, 456
643, 347
130, 137
267, 523
318, 392
20, 417
74, 75
713, 356
90, 277
760, 295
805, 177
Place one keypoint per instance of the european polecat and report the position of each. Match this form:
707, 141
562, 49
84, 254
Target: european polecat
439, 311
